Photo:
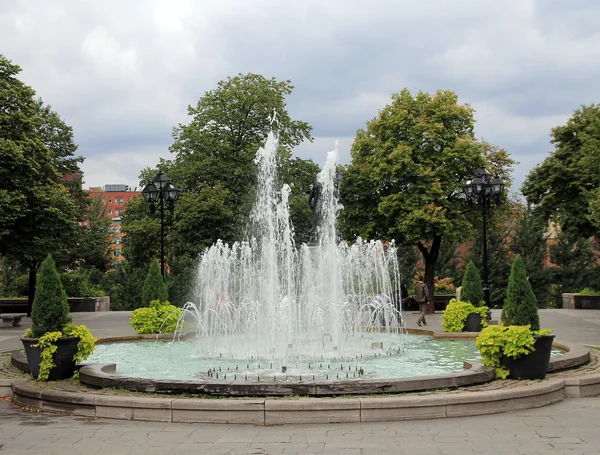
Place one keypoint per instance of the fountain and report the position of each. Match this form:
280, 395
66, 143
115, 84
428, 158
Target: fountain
269, 311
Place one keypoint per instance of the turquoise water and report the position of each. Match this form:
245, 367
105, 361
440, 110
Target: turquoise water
382, 356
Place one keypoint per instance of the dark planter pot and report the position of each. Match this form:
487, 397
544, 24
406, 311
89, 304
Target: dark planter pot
63, 357
473, 323
533, 365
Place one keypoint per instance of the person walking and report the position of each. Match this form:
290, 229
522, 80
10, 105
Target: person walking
422, 297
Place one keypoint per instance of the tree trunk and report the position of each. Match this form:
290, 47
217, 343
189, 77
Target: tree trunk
31, 294
430, 256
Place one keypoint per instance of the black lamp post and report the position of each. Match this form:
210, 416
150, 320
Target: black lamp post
161, 189
481, 190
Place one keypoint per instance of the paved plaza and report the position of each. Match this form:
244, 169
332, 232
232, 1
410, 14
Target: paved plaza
569, 427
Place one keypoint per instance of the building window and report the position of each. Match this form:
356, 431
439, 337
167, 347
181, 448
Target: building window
117, 240
110, 201
109, 212
116, 253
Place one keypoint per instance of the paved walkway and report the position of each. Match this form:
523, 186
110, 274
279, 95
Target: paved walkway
569, 427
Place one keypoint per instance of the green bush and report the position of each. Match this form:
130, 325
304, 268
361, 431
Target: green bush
472, 289
154, 287
455, 315
78, 285
50, 310
589, 291
159, 317
520, 306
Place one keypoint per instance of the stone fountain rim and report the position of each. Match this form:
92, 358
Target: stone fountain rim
99, 375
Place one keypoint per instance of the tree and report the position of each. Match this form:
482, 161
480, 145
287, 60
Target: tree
472, 289
214, 155
564, 188
576, 265
154, 287
407, 171
520, 306
50, 311
93, 248
529, 241
39, 210
300, 174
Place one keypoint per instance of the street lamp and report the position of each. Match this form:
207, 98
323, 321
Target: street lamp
481, 190
161, 189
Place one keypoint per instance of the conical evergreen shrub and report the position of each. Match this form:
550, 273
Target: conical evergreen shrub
472, 289
154, 287
520, 306
50, 309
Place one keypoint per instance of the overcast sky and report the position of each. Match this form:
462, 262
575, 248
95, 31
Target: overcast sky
122, 73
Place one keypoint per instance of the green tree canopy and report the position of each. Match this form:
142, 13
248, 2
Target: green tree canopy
407, 171
565, 187
39, 209
214, 153
214, 166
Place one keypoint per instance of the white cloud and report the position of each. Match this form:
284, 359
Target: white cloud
123, 73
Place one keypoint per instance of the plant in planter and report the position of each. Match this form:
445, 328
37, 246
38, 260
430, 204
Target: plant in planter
498, 342
518, 348
53, 344
456, 314
443, 286
472, 291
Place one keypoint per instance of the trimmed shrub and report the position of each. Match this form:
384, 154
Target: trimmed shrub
78, 285
160, 317
520, 306
154, 287
50, 310
472, 289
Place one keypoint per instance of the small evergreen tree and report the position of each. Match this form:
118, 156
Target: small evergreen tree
154, 287
520, 307
50, 310
472, 289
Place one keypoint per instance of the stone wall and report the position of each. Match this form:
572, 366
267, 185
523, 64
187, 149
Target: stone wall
581, 301
76, 304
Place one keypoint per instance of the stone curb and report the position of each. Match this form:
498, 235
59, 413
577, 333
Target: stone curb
276, 411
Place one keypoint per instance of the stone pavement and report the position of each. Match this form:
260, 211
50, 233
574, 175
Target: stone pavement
569, 427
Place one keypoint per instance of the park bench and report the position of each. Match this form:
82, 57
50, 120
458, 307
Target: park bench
12, 320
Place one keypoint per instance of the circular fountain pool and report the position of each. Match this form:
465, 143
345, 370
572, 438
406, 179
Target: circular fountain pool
367, 356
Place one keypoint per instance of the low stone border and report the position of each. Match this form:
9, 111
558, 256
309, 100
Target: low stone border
275, 411
99, 375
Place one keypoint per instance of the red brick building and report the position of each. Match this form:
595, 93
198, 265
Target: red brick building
116, 198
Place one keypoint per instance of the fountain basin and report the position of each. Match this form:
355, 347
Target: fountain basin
460, 372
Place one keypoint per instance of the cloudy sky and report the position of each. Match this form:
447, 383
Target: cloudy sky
122, 73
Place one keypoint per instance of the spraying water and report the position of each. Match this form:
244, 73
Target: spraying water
266, 298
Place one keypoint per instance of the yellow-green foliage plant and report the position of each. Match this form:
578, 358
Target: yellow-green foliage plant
456, 314
497, 341
159, 317
51, 321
